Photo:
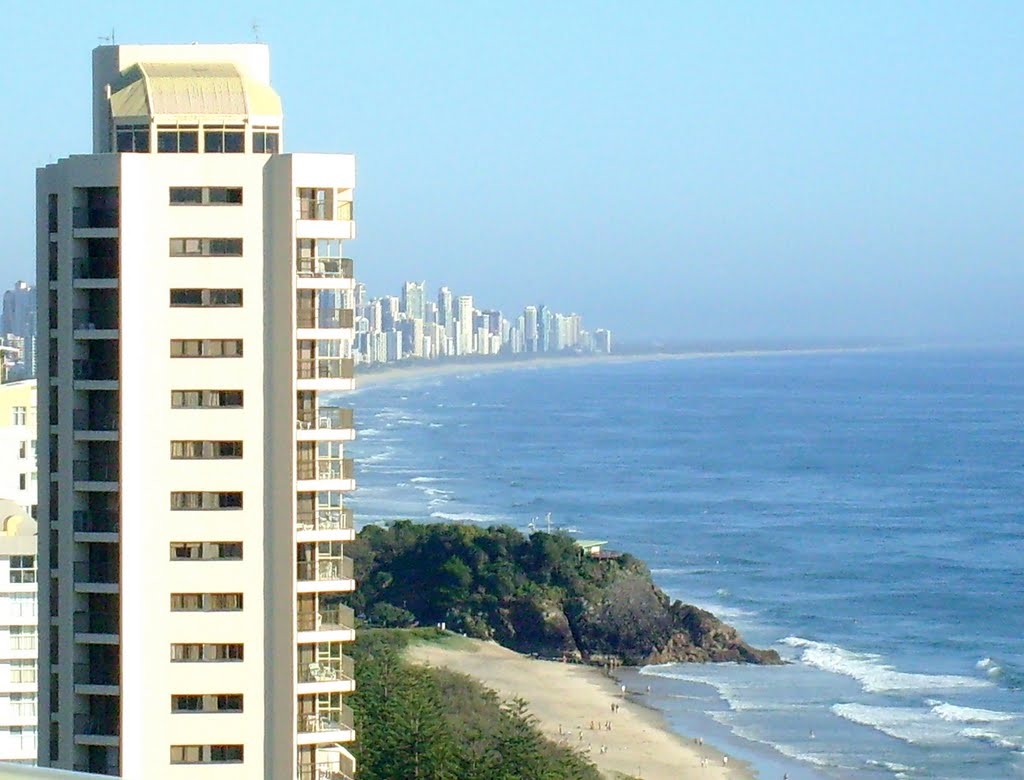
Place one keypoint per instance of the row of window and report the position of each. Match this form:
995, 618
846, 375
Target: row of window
184, 139
199, 499
205, 247
206, 399
205, 450
206, 754
207, 702
206, 551
206, 348
206, 297
195, 652
205, 196
206, 602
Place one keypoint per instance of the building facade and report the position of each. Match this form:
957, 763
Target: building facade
193, 524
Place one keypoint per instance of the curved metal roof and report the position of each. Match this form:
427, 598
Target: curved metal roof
162, 89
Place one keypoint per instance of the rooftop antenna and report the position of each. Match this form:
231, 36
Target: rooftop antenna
109, 39
256, 29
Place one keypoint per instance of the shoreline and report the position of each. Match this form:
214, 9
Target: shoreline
394, 373
571, 703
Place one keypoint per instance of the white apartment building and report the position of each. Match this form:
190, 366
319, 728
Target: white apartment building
18, 634
18, 477
192, 527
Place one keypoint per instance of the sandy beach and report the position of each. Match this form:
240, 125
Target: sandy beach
567, 699
419, 370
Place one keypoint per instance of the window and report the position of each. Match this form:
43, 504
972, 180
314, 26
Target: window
52, 213
23, 671
206, 754
133, 138
23, 569
206, 551
24, 704
206, 297
206, 247
22, 605
206, 348
206, 399
205, 450
228, 139
209, 702
195, 653
206, 602
177, 139
184, 500
266, 140
205, 196
24, 638
19, 415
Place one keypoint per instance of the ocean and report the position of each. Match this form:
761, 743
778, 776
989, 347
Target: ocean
860, 512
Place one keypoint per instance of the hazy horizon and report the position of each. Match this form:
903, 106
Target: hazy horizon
671, 171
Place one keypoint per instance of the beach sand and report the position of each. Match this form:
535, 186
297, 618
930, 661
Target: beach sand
567, 698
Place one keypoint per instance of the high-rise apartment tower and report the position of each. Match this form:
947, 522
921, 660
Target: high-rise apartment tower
192, 524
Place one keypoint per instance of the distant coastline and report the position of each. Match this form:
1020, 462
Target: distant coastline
420, 370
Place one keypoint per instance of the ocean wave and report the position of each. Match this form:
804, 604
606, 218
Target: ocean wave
426, 479
907, 724
367, 432
871, 672
994, 738
754, 735
465, 517
956, 714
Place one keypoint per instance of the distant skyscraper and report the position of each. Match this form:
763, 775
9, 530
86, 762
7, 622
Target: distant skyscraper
19, 319
413, 298
530, 328
466, 329
445, 315
603, 341
388, 312
543, 329
429, 313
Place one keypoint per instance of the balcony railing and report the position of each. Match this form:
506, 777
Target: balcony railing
324, 318
93, 674
94, 319
325, 571
327, 670
83, 217
95, 267
325, 267
321, 771
339, 618
325, 368
94, 369
91, 622
94, 471
87, 572
327, 469
325, 520
334, 418
95, 421
97, 521
97, 725
326, 720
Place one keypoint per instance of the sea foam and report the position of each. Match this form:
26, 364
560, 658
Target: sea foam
874, 675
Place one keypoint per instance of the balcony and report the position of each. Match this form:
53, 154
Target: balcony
95, 268
325, 520
325, 770
327, 469
95, 370
94, 319
99, 217
95, 471
96, 521
327, 721
86, 420
324, 318
96, 573
325, 368
92, 622
329, 570
337, 618
104, 676
324, 268
326, 418
327, 670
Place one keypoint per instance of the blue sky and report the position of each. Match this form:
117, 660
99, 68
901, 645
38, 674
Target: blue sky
685, 171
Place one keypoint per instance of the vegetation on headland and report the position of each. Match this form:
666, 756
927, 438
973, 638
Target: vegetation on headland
537, 594
434, 724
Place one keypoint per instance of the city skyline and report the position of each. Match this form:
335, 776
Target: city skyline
753, 171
